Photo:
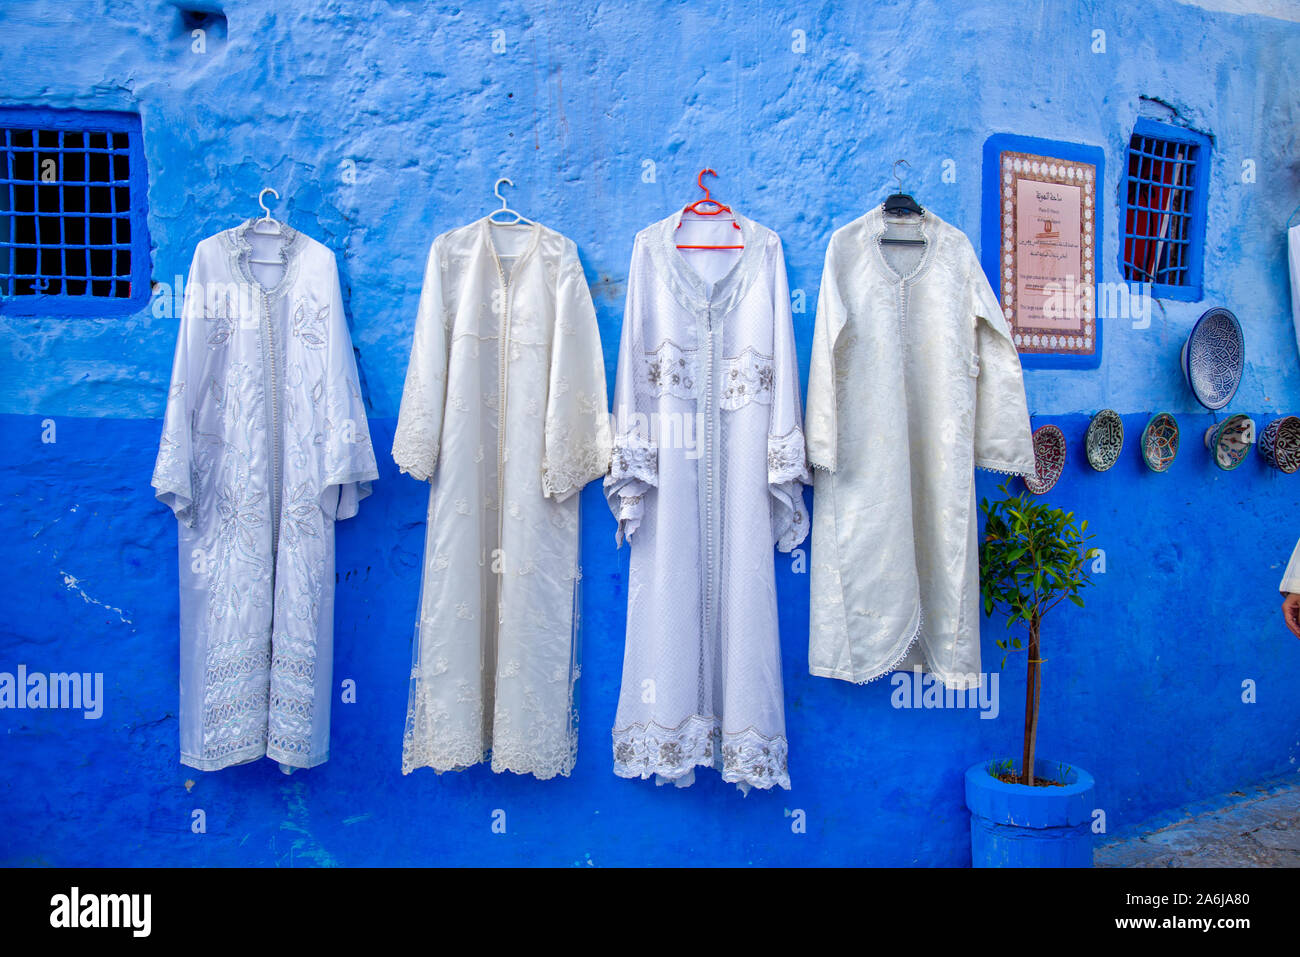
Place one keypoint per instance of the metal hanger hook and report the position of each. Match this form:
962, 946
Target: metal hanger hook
898, 179
262, 202
496, 190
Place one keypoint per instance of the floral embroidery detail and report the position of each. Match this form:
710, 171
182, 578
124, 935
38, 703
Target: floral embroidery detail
786, 460
300, 516
310, 325
670, 370
634, 457
222, 326
748, 378
745, 758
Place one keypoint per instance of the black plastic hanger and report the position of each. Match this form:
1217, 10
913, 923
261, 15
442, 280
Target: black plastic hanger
901, 202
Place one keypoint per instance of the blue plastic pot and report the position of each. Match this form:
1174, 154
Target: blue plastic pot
1013, 825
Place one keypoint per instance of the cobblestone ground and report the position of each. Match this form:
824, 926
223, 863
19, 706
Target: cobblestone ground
1250, 830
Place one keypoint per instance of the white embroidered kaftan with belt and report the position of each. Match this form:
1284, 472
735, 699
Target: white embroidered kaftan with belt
913, 383
265, 446
504, 412
707, 474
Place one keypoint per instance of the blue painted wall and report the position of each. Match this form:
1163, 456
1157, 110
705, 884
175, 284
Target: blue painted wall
1143, 688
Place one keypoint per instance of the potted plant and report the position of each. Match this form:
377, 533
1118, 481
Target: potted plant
1035, 812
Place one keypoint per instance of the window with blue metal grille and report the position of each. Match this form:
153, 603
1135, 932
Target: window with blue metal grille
72, 213
1163, 226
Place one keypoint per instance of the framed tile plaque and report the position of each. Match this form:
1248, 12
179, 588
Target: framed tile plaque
1041, 224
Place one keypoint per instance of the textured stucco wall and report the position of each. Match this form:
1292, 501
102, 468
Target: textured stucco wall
1143, 688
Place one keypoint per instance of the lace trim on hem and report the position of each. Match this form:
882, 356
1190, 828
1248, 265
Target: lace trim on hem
746, 758
524, 765
1006, 468
892, 666
419, 467
586, 463
454, 761
243, 756
452, 758
296, 760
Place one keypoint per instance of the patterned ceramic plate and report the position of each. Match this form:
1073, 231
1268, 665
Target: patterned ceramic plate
1049, 459
1229, 442
1214, 357
1160, 442
1279, 443
1104, 439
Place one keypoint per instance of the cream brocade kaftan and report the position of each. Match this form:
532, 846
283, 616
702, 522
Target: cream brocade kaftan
707, 473
265, 445
504, 412
914, 382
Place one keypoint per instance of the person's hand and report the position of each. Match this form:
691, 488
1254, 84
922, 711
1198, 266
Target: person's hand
1291, 613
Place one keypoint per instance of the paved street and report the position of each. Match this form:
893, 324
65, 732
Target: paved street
1257, 827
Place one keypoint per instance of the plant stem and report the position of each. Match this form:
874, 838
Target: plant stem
1032, 687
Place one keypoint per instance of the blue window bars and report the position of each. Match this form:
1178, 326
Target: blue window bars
73, 234
1163, 224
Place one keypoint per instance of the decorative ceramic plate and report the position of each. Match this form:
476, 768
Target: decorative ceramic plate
1049, 459
1279, 443
1160, 442
1229, 442
1214, 357
1104, 439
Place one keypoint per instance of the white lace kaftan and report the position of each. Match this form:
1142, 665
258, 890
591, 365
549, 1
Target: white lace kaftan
264, 447
914, 382
504, 412
707, 474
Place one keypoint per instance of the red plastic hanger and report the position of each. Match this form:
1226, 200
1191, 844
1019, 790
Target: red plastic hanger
718, 208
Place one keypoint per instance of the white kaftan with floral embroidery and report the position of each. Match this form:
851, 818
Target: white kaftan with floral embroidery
504, 412
914, 382
264, 447
707, 474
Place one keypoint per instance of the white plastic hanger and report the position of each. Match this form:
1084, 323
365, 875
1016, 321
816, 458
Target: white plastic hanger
518, 218
266, 226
